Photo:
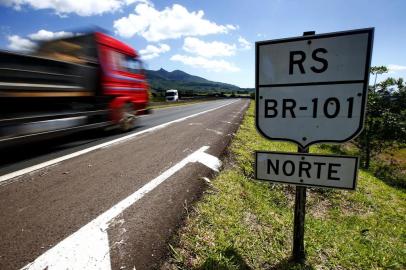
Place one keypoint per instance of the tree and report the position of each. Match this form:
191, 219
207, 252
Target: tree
385, 125
378, 70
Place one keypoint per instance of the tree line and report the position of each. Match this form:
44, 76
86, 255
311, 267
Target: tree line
385, 127
385, 124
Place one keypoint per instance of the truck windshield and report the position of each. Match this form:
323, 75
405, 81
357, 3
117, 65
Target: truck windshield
134, 65
170, 94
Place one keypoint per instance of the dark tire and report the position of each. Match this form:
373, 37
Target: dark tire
128, 118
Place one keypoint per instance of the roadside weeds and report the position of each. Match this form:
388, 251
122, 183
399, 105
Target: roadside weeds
241, 223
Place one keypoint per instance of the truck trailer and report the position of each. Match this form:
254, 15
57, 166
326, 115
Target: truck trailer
66, 85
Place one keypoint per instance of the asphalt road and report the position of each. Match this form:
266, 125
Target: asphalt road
110, 201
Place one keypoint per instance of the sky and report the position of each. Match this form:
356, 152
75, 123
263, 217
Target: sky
211, 39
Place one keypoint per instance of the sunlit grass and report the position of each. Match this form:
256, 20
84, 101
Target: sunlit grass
242, 223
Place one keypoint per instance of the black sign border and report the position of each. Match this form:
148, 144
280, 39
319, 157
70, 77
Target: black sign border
365, 81
355, 174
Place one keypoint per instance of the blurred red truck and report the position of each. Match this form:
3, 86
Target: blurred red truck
71, 84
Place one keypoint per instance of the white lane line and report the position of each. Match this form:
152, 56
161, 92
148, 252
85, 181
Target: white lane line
30, 169
88, 248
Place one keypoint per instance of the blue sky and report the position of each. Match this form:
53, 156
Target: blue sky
212, 39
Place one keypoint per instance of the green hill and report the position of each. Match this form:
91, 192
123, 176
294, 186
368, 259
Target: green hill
162, 80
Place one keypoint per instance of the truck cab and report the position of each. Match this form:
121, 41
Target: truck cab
171, 95
70, 84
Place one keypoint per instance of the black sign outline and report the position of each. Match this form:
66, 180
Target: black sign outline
365, 81
355, 174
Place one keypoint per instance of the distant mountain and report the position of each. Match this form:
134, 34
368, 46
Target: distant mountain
161, 80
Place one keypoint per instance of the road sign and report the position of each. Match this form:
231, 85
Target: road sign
313, 89
307, 169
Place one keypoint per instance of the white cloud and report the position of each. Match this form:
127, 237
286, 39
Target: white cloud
47, 35
129, 2
244, 44
18, 43
171, 22
28, 44
232, 27
152, 51
208, 49
63, 7
396, 68
201, 62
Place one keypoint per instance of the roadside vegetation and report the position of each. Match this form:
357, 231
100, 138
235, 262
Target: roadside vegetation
382, 144
242, 223
385, 126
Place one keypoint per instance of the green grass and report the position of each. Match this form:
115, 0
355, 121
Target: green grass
241, 223
398, 155
401, 154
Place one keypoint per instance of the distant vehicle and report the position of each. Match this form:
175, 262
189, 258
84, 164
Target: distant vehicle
82, 82
172, 95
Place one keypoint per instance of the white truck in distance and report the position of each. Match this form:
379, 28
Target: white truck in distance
172, 95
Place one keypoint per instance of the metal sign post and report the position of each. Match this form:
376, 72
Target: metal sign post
311, 89
298, 251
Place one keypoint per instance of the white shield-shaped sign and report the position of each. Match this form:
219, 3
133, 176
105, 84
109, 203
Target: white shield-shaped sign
313, 89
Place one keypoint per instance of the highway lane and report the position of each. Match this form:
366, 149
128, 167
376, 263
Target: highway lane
115, 207
22, 156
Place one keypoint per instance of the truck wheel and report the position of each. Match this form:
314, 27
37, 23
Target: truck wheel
128, 118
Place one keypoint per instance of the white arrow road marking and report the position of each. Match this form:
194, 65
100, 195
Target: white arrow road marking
208, 160
88, 248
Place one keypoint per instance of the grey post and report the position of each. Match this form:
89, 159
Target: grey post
298, 252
